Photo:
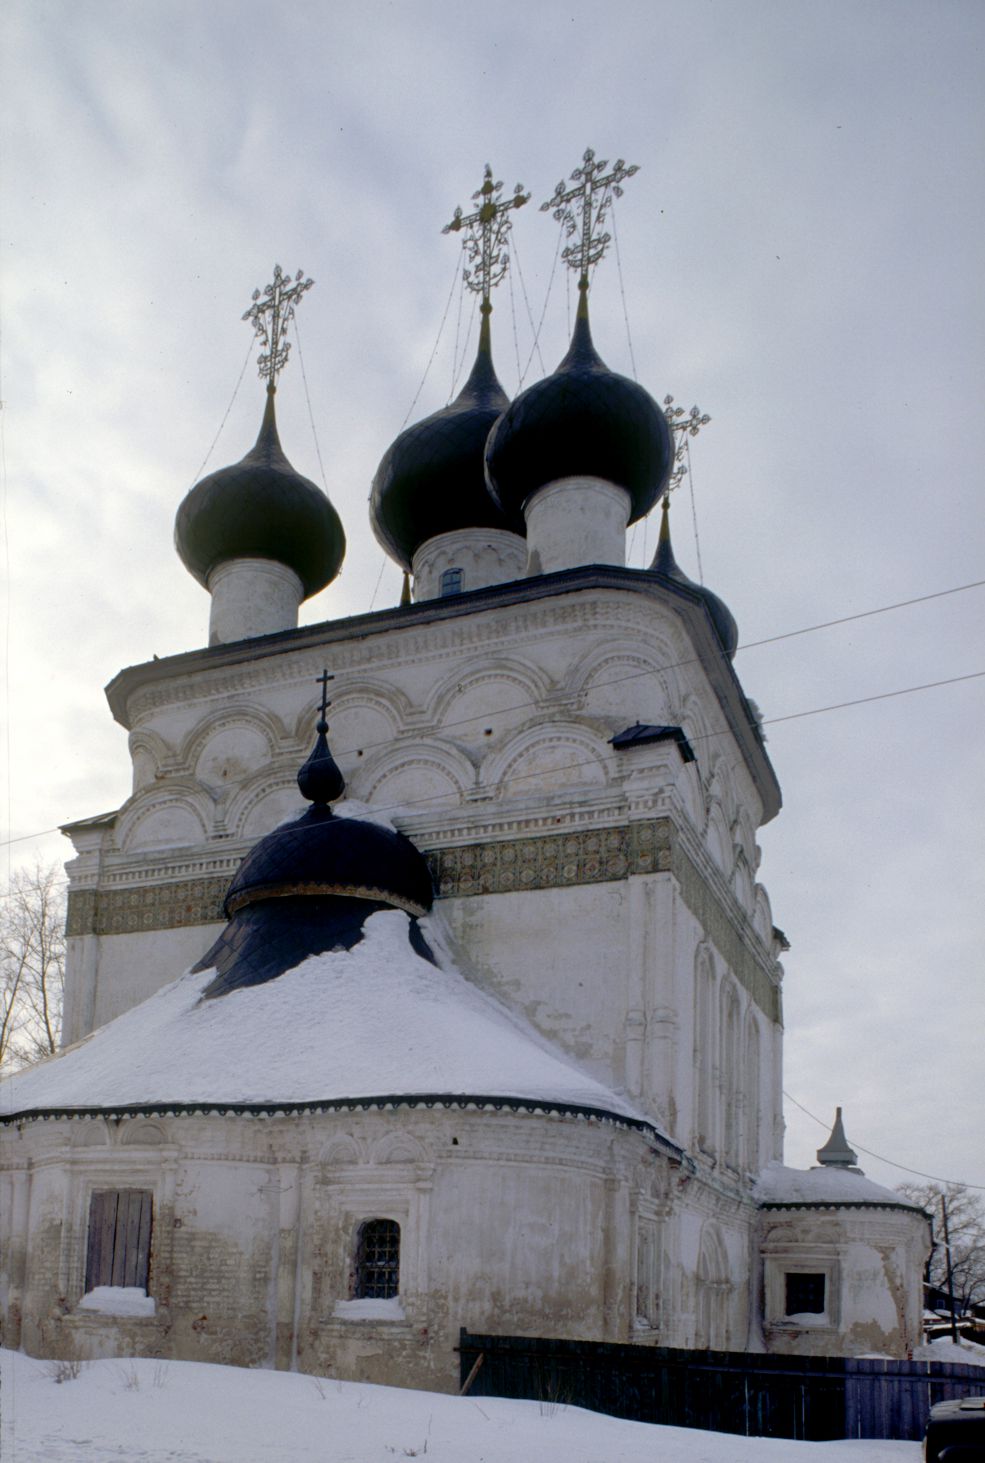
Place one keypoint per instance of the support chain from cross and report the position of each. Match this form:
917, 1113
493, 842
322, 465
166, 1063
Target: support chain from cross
595, 189
683, 425
486, 256
271, 313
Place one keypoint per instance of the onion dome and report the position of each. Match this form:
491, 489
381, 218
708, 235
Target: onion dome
583, 421
260, 508
664, 563
432, 478
310, 885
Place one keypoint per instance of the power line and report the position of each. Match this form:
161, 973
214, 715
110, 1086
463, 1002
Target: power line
692, 660
593, 761
935, 1178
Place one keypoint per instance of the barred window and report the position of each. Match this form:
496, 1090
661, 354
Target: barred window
805, 1293
451, 581
118, 1249
377, 1274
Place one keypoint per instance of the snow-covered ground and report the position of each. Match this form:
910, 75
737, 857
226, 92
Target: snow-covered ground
147, 1411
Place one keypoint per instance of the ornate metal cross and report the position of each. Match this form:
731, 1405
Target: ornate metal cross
595, 188
272, 312
323, 681
486, 257
691, 425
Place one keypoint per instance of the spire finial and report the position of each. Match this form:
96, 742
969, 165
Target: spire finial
836, 1153
320, 779
278, 301
592, 195
486, 256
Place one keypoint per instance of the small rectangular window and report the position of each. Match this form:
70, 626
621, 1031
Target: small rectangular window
118, 1250
377, 1274
451, 582
805, 1294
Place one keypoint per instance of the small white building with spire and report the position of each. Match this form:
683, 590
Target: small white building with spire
489, 1034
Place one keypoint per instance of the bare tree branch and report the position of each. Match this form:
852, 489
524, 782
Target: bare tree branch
32, 965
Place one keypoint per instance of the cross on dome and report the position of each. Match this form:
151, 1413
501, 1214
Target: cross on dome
591, 197
488, 229
277, 301
690, 426
323, 681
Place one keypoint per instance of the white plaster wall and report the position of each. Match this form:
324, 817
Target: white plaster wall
252, 597
484, 555
491, 728
576, 520
127, 969
873, 1259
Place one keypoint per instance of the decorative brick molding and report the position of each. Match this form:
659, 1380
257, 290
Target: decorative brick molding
548, 861
146, 907
553, 861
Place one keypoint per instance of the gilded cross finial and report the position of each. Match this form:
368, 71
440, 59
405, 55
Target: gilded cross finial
271, 313
486, 256
323, 681
684, 425
591, 197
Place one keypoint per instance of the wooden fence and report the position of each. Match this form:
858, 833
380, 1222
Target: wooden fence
805, 1397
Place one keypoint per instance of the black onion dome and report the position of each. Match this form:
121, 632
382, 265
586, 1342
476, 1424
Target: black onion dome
432, 478
319, 854
310, 886
721, 616
260, 508
583, 421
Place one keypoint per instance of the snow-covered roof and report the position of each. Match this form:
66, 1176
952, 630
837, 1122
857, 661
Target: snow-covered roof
376, 1020
823, 1186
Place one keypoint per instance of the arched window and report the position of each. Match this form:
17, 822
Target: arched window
377, 1271
451, 582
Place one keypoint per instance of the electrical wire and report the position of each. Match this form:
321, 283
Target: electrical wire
935, 1178
434, 348
307, 397
692, 660
593, 761
225, 418
622, 292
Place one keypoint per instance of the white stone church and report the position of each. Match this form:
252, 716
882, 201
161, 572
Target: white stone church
475, 1021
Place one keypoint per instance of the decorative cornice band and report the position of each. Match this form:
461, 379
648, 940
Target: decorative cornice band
463, 1102
545, 861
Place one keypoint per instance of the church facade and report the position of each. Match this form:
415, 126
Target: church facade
534, 1089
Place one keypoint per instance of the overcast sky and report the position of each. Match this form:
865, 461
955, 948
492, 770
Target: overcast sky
801, 255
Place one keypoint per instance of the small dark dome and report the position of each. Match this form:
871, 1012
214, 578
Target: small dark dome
583, 421
260, 508
432, 478
721, 616
322, 854
310, 886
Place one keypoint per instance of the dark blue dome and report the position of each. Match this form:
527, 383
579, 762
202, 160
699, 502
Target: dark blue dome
260, 508
721, 616
310, 885
432, 478
321, 854
583, 421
